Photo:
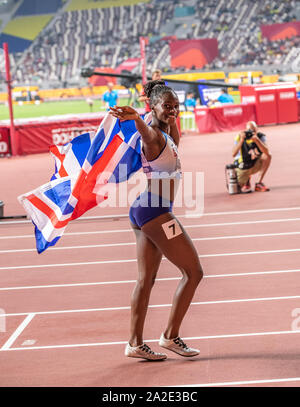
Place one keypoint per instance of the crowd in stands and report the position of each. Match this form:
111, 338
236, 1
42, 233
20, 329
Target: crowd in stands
107, 37
282, 12
255, 49
262, 52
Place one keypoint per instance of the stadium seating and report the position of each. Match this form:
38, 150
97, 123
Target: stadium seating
28, 19
75, 5
27, 27
37, 7
94, 34
88, 36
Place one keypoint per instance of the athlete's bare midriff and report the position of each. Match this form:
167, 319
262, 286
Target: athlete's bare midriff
165, 187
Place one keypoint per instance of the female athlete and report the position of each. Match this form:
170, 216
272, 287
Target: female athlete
158, 232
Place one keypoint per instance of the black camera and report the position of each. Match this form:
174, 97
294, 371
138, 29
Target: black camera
249, 134
129, 80
86, 72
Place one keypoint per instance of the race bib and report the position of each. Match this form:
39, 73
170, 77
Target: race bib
172, 228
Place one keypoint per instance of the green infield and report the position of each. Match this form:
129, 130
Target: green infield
54, 108
50, 109
60, 107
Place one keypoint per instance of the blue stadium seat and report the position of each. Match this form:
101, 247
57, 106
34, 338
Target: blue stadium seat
33, 7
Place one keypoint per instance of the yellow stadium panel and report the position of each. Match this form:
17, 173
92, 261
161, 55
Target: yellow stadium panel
194, 76
59, 93
72, 92
270, 78
27, 27
236, 75
25, 88
85, 5
3, 97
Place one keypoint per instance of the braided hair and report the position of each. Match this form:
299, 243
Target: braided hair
155, 89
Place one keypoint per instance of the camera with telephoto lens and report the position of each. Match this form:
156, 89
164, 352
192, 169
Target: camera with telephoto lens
249, 134
86, 72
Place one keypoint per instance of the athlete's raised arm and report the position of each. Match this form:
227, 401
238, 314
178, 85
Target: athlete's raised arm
128, 113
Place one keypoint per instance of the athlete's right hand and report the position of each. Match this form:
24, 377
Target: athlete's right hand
124, 113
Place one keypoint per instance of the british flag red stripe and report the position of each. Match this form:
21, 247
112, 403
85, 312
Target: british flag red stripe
83, 167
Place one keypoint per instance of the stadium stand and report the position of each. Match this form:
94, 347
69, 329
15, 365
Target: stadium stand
27, 27
81, 33
27, 21
32, 7
75, 5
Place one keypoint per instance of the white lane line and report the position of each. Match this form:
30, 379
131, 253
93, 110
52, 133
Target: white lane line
33, 266
92, 246
250, 253
242, 223
125, 215
17, 332
70, 311
295, 208
197, 239
77, 345
254, 273
241, 383
67, 264
185, 226
97, 232
16, 237
83, 284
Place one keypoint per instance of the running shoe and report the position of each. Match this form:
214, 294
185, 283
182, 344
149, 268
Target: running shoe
143, 351
178, 346
260, 186
245, 189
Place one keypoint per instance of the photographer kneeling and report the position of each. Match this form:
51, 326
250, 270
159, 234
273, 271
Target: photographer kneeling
251, 156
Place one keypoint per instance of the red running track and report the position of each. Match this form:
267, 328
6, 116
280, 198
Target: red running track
64, 318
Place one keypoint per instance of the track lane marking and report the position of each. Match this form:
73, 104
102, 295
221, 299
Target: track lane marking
18, 332
185, 226
125, 215
197, 239
135, 260
253, 273
77, 345
290, 297
241, 383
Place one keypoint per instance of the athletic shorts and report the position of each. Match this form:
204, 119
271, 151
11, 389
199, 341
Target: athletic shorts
148, 206
244, 175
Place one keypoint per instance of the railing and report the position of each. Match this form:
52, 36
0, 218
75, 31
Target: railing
187, 121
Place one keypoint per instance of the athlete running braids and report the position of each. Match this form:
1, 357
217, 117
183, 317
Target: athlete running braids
158, 232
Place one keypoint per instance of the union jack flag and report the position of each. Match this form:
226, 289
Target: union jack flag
82, 167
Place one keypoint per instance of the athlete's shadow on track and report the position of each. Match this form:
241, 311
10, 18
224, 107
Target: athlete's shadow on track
279, 187
199, 359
